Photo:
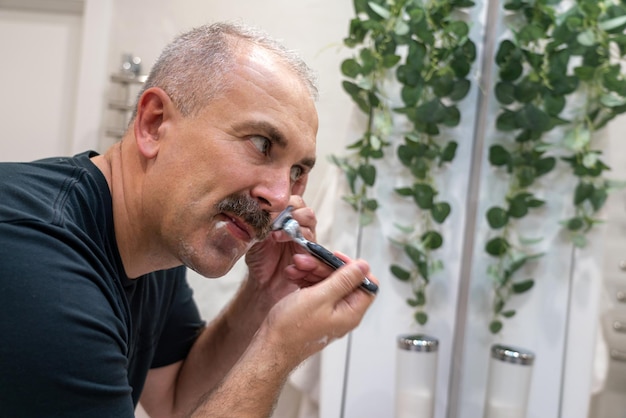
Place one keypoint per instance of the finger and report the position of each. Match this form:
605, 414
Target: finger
346, 279
307, 270
307, 220
311, 265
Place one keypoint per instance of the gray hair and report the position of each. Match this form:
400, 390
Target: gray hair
193, 68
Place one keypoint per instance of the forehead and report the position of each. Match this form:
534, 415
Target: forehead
263, 92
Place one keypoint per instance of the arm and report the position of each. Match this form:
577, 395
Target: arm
298, 326
174, 389
276, 270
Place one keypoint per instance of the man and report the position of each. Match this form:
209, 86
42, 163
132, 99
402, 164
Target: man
95, 310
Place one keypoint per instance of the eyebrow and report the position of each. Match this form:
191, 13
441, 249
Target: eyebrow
275, 136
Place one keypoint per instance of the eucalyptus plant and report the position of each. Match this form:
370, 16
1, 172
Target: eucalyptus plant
555, 60
593, 33
432, 72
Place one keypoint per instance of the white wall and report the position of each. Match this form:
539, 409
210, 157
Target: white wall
40, 56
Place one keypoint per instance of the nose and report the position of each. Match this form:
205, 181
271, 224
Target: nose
273, 190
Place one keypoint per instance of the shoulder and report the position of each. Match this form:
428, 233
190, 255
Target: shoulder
42, 189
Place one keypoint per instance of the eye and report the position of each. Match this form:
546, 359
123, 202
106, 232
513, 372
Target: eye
296, 173
262, 144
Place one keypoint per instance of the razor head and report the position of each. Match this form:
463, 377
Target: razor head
282, 219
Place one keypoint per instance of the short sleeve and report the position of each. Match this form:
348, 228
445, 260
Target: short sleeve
182, 324
64, 334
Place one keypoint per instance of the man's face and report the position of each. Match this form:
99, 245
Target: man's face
220, 176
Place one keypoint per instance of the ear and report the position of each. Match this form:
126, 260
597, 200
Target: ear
154, 107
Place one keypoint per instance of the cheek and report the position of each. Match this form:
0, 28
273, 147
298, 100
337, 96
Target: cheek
300, 186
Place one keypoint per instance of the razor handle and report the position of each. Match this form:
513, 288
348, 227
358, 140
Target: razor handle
333, 261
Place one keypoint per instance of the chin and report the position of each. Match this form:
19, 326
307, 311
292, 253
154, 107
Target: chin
218, 264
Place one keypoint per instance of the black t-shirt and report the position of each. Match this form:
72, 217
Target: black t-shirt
78, 336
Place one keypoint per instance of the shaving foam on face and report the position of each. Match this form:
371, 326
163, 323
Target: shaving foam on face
220, 224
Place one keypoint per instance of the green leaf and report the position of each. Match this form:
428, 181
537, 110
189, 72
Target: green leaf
498, 305
421, 317
461, 66
429, 112
523, 286
423, 269
497, 246
612, 100
532, 118
415, 255
497, 217
511, 71
390, 60
526, 90
379, 10
495, 326
404, 191
370, 204
440, 212
420, 297
575, 224
411, 94
585, 73
375, 142
518, 207
452, 116
531, 33
544, 165
368, 174
505, 92
350, 68
506, 50
526, 176
459, 28
442, 85
400, 273
506, 121
356, 93
419, 168
432, 240
614, 23
401, 28
598, 198
368, 61
449, 152
499, 156
582, 192
586, 38
423, 195
553, 105
460, 90
508, 314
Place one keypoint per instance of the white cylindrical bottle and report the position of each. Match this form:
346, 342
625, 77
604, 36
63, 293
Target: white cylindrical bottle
508, 385
416, 376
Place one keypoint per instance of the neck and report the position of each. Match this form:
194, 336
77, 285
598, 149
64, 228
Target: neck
124, 177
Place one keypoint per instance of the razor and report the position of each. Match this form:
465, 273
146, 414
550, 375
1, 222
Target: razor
287, 223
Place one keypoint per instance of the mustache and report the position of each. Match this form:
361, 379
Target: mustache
248, 209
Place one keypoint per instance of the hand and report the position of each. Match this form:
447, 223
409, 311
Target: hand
304, 322
279, 265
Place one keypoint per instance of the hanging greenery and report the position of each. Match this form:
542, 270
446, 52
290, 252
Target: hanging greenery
555, 60
432, 72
